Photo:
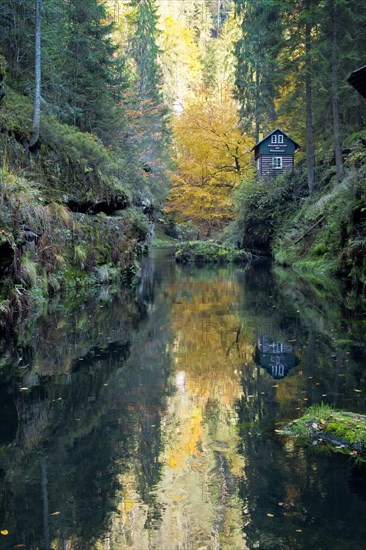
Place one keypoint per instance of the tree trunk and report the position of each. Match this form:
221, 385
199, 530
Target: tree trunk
218, 18
257, 106
46, 514
37, 93
2, 76
309, 105
335, 109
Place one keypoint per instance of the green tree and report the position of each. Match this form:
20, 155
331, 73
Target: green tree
90, 78
143, 105
256, 53
16, 40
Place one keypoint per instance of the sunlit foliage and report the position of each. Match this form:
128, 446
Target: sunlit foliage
211, 158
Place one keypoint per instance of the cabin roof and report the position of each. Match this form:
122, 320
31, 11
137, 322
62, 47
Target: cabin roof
357, 79
297, 145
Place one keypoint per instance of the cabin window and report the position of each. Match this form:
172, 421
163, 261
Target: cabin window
280, 138
274, 139
276, 162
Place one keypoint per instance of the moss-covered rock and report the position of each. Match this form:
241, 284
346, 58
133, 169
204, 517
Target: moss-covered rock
322, 425
209, 252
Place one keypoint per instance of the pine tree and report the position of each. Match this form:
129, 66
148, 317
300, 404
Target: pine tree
256, 54
143, 105
90, 77
143, 47
17, 24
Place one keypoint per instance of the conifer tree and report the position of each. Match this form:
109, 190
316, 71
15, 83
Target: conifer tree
144, 103
17, 41
89, 68
256, 53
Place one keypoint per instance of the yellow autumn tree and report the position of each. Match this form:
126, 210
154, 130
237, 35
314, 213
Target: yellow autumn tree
211, 156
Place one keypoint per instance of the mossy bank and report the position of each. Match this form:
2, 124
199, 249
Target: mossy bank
72, 211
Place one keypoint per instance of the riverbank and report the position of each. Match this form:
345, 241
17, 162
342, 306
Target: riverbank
320, 235
72, 211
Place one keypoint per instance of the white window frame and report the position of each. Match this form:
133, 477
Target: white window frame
274, 138
280, 139
277, 163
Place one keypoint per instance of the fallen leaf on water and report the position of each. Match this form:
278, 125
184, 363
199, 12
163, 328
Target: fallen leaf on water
4, 532
55, 514
270, 515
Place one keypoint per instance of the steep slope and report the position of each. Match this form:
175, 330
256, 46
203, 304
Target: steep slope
72, 212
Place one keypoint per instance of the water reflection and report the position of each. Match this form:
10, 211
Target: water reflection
277, 357
148, 420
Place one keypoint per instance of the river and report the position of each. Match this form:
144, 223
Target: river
150, 419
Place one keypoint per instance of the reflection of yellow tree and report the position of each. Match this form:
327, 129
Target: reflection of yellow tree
201, 441
210, 350
211, 343
199, 507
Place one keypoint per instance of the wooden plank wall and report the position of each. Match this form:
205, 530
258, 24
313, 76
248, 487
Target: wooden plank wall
266, 165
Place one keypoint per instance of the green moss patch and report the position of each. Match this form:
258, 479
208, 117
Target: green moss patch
342, 431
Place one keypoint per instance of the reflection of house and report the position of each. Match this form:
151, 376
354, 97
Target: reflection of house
277, 358
275, 153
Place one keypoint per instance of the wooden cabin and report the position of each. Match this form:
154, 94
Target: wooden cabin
274, 153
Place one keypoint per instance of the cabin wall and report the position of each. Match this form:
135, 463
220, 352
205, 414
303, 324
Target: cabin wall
265, 167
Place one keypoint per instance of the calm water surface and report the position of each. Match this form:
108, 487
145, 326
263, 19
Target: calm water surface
148, 420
